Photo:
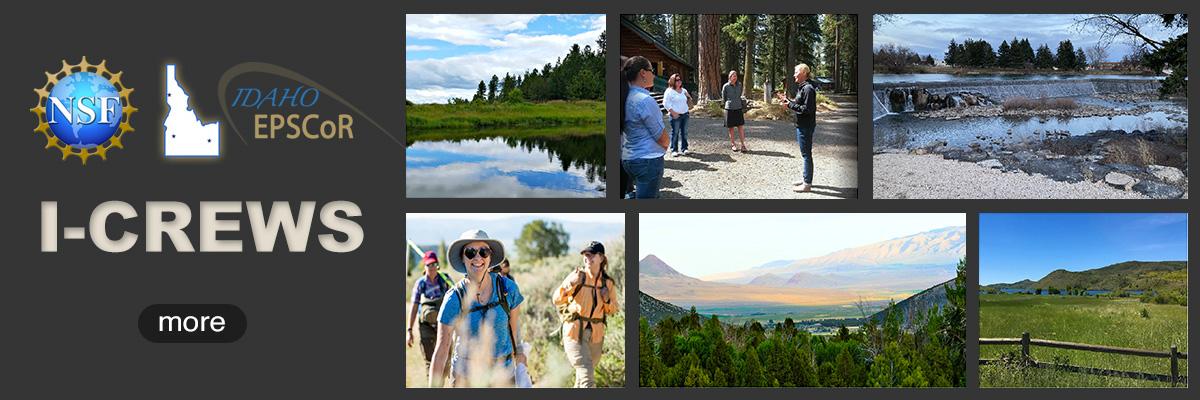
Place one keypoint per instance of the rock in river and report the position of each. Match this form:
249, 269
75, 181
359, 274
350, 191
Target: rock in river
1158, 190
1120, 180
1166, 174
990, 163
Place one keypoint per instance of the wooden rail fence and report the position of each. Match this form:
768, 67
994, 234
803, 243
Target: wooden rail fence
1025, 342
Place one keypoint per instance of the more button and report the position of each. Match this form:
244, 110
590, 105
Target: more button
192, 323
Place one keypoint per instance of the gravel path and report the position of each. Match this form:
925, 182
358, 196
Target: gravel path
909, 176
711, 170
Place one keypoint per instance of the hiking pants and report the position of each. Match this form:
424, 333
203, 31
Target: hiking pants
584, 357
428, 340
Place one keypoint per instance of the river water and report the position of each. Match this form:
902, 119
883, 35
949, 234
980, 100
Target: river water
560, 162
904, 129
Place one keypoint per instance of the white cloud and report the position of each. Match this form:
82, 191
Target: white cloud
436, 94
466, 29
417, 47
509, 51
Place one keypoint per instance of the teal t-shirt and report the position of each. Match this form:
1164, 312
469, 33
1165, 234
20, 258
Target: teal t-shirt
452, 307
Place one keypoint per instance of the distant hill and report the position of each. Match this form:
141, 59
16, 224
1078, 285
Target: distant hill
1129, 275
654, 310
660, 280
889, 263
652, 266
769, 280
1023, 284
913, 307
774, 264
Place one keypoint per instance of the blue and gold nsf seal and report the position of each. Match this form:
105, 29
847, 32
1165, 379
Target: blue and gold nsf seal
83, 110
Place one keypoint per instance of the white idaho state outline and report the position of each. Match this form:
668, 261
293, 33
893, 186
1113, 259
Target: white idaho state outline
184, 134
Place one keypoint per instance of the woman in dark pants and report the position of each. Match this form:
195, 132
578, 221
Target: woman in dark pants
805, 108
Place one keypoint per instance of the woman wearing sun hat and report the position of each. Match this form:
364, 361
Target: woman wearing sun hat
482, 303
585, 299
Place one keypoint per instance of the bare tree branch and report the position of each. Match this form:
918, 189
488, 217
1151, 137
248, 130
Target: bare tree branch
1112, 27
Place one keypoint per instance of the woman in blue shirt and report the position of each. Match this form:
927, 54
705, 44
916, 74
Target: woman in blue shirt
479, 317
643, 133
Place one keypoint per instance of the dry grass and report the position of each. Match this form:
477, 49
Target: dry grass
1141, 152
1039, 104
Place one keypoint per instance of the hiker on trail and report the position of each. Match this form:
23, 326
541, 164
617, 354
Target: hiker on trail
426, 303
805, 108
482, 303
731, 94
585, 299
506, 270
676, 100
643, 133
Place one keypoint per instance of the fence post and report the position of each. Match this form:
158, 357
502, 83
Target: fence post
1174, 365
1025, 345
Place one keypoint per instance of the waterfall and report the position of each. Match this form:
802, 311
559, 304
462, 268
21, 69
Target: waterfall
880, 108
992, 92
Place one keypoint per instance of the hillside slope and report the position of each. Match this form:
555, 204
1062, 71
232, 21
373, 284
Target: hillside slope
912, 308
654, 310
1129, 275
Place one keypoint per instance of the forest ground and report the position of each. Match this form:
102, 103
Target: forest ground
712, 170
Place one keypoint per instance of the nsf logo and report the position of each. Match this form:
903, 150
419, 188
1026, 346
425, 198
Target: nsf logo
83, 110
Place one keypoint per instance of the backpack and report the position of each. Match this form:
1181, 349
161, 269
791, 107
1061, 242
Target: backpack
431, 307
566, 316
502, 289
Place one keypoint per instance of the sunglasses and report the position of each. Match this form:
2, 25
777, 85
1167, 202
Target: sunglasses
482, 252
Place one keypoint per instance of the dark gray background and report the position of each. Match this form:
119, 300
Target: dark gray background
324, 325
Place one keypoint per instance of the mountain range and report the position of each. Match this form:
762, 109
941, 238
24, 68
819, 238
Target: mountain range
877, 271
937, 251
1129, 275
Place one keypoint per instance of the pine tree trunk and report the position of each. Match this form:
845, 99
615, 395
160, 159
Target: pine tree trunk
709, 54
748, 65
789, 61
837, 54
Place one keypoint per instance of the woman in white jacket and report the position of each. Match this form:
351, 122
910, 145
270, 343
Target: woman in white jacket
676, 100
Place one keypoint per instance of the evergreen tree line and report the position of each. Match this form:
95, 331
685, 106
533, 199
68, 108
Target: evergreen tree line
1017, 53
761, 47
694, 351
577, 76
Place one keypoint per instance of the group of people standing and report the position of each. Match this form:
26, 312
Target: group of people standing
644, 139
475, 322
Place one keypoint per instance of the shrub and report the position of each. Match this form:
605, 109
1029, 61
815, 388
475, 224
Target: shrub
1141, 152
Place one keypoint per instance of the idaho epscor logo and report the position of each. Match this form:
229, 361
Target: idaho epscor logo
83, 110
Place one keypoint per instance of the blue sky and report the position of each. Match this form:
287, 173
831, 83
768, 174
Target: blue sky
1013, 247
931, 33
706, 243
447, 55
